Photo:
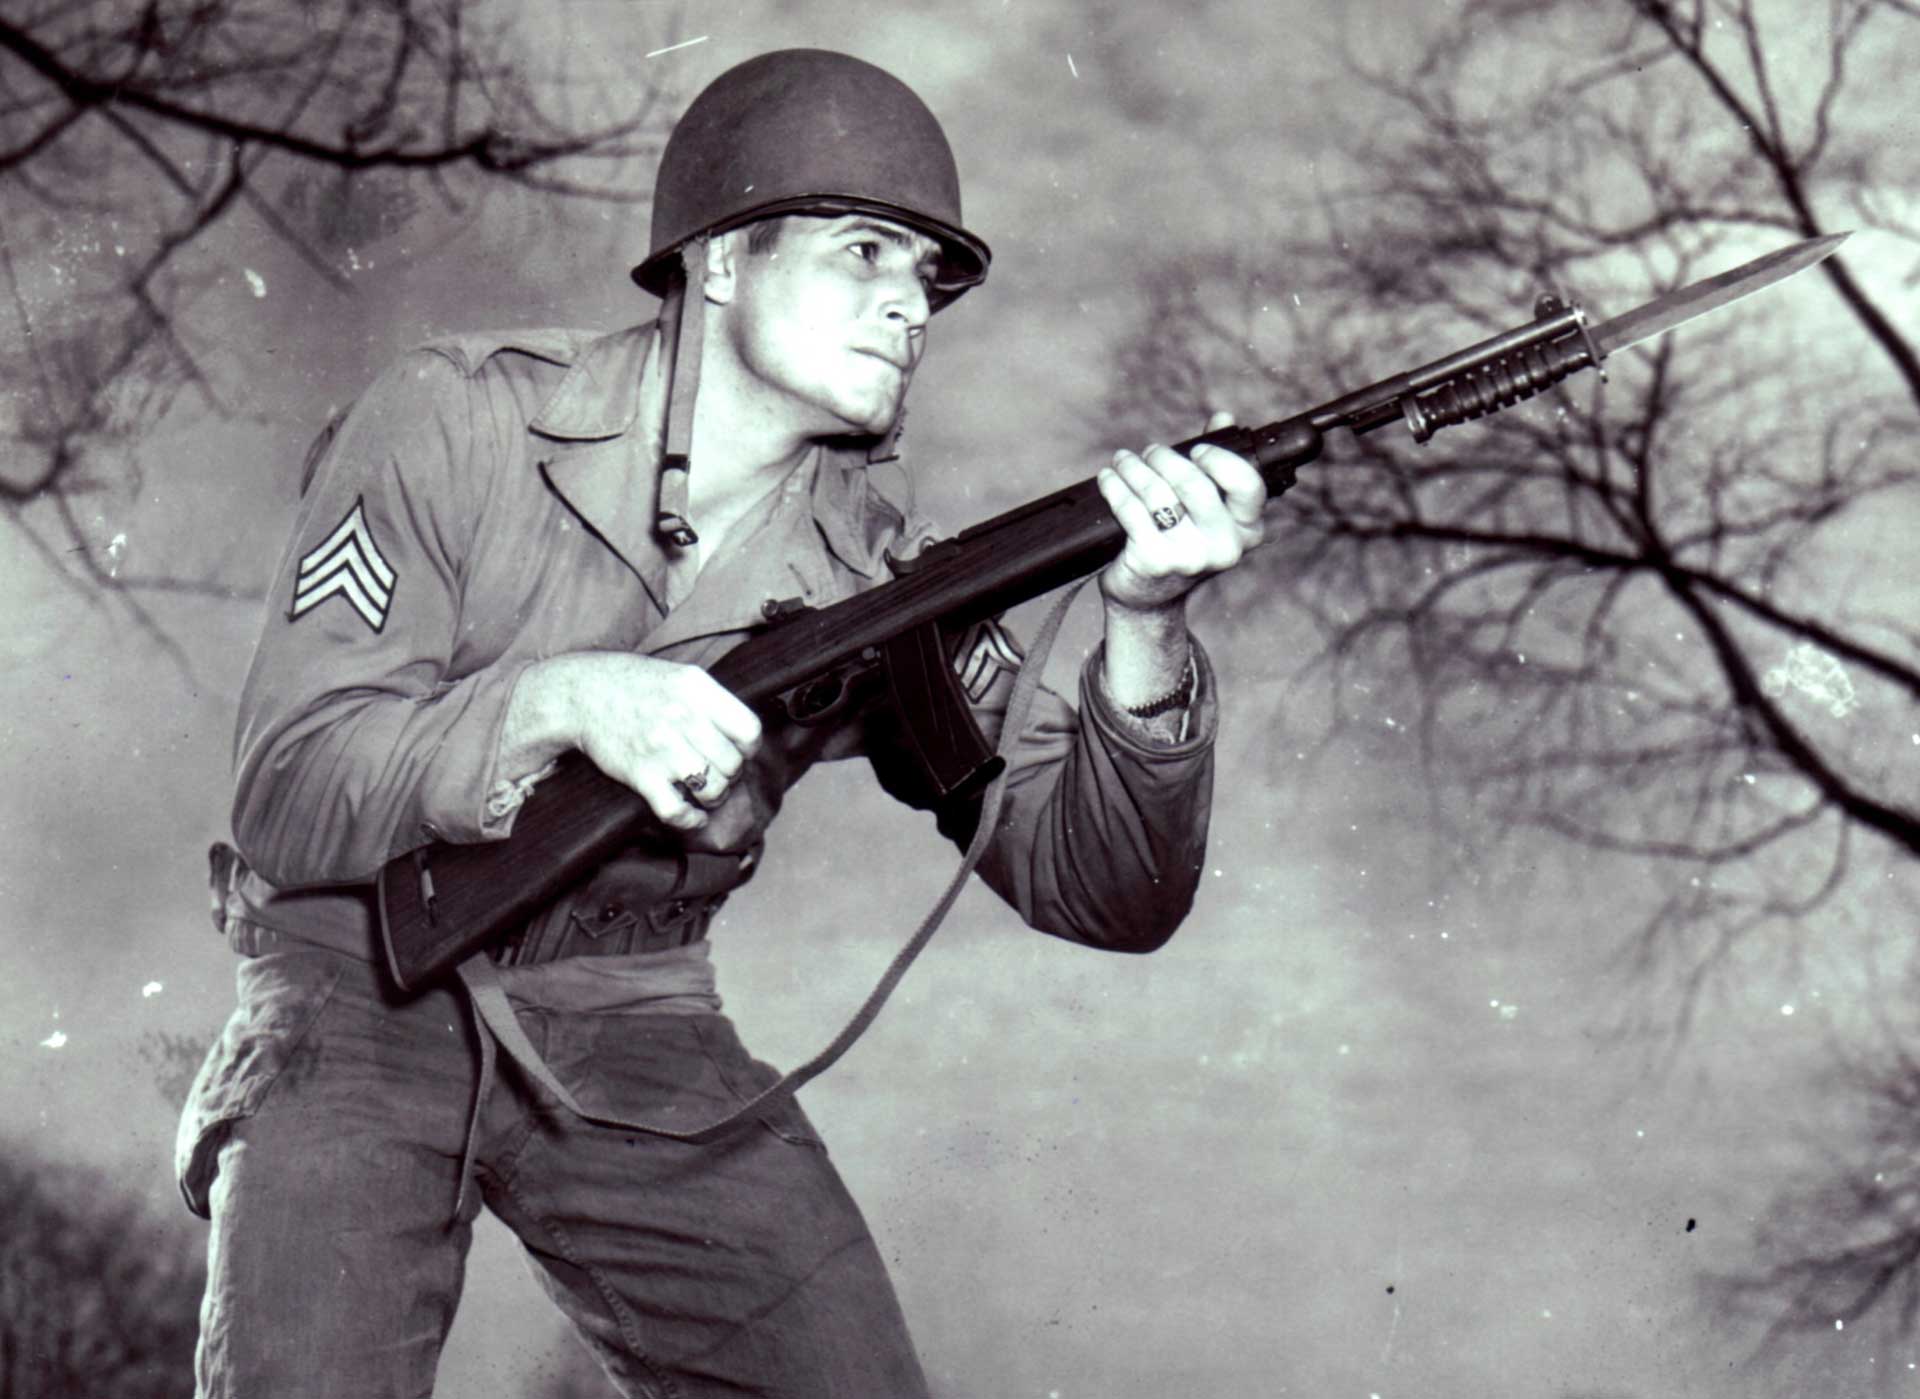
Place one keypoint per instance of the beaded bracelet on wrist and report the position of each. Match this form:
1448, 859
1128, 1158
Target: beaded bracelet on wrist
1180, 697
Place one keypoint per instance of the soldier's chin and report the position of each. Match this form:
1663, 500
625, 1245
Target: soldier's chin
856, 440
875, 423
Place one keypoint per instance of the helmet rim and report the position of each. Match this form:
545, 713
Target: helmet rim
965, 255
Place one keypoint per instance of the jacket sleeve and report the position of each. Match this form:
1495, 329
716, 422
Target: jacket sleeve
1103, 831
356, 741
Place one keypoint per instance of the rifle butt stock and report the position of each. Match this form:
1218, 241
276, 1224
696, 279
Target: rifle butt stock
445, 901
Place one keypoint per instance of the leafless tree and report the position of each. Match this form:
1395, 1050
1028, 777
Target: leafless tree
96, 1296
135, 133
1633, 613
1842, 1242
1666, 617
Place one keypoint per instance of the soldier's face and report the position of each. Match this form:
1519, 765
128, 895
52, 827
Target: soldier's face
831, 319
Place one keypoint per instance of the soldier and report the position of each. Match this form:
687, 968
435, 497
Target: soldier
517, 545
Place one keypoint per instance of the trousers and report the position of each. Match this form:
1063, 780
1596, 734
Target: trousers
324, 1138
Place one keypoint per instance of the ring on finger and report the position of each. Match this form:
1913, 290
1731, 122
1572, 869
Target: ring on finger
1167, 516
693, 784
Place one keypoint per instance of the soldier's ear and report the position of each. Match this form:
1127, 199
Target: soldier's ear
725, 254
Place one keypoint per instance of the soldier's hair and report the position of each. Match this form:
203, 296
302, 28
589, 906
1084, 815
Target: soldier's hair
764, 234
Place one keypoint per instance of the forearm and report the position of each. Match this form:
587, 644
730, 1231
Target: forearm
542, 717
1147, 660
1105, 825
1146, 652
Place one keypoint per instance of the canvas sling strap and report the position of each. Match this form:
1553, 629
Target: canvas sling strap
497, 1022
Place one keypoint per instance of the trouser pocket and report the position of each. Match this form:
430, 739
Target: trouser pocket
746, 1076
281, 994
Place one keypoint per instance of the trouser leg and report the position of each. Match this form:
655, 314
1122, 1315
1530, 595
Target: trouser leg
737, 1268
334, 1264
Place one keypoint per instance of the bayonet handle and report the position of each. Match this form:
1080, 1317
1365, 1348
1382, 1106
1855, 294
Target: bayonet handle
1498, 383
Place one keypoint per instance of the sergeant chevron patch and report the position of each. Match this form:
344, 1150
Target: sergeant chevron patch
986, 648
348, 563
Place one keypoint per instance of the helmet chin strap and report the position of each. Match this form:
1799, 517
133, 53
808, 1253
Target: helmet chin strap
670, 520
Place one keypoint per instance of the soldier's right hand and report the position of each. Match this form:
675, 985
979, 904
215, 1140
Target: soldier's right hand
671, 732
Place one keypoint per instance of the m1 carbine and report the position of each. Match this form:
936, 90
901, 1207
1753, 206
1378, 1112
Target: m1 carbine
892, 644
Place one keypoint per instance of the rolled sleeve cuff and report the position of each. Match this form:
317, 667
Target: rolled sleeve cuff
464, 797
1127, 734
509, 794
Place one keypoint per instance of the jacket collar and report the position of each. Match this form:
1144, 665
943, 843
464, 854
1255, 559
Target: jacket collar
606, 387
604, 431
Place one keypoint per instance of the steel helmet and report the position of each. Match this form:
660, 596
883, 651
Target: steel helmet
807, 131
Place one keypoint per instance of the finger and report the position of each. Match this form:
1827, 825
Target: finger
1217, 421
1237, 480
1133, 513
719, 761
1149, 477
1223, 495
693, 774
1193, 488
667, 803
699, 778
737, 723
1239, 487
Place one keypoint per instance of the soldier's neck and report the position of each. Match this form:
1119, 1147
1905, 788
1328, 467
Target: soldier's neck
735, 466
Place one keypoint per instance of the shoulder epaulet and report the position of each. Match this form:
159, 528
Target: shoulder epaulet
471, 351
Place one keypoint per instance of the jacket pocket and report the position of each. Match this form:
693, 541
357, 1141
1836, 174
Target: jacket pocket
281, 994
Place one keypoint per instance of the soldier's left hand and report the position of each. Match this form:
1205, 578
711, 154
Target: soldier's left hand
1186, 519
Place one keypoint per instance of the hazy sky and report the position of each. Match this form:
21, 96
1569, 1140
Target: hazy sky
1360, 1130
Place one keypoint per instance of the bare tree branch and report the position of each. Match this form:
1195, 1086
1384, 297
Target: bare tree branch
159, 121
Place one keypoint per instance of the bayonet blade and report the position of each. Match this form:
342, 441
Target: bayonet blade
1663, 313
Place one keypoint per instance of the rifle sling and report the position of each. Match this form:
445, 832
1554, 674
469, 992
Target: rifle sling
496, 1022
